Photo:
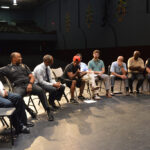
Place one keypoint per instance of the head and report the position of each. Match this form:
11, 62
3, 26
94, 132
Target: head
16, 58
76, 60
48, 60
120, 59
80, 55
96, 54
136, 54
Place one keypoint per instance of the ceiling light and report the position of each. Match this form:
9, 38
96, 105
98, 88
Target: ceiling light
15, 2
5, 7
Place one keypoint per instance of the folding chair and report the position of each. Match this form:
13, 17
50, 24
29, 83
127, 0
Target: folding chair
7, 112
30, 100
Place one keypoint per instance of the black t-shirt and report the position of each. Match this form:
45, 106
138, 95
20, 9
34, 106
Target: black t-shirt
17, 74
70, 68
148, 63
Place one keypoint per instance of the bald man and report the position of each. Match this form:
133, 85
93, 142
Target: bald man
22, 80
135, 71
119, 71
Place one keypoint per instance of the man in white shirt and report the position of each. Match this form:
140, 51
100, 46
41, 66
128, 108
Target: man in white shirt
88, 76
19, 118
43, 78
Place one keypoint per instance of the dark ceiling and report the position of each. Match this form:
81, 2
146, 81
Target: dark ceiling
23, 4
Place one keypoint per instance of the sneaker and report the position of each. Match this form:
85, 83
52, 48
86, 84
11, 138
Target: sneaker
112, 94
81, 97
96, 97
25, 130
33, 114
50, 116
72, 100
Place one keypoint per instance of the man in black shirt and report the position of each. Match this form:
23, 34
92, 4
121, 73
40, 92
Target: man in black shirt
72, 78
23, 81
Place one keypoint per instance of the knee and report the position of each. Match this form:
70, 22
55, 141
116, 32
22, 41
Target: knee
74, 82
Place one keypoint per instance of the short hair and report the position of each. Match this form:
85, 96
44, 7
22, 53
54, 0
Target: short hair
96, 51
47, 58
13, 54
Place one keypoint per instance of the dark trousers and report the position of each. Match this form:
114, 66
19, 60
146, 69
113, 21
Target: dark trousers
19, 117
36, 90
132, 77
54, 93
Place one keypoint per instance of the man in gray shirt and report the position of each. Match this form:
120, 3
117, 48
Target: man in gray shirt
118, 71
43, 78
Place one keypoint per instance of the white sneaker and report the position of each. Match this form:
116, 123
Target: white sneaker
96, 97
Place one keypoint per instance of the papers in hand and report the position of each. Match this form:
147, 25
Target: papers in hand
90, 101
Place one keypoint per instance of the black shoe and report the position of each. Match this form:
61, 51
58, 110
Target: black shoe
81, 97
50, 116
72, 100
25, 130
33, 114
29, 124
55, 107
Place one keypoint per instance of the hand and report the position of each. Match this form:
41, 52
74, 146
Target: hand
100, 74
123, 77
5, 93
57, 85
77, 72
29, 88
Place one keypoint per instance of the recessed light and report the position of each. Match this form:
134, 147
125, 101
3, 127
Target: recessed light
5, 7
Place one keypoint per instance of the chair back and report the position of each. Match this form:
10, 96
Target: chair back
10, 87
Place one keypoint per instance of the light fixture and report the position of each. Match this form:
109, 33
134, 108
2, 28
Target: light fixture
15, 2
5, 7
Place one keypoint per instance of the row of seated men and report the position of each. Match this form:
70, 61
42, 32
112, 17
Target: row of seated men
75, 74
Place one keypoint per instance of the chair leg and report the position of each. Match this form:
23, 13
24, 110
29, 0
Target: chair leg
31, 101
66, 97
4, 122
12, 137
59, 103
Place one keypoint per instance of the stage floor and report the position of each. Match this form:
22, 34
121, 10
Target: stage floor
117, 123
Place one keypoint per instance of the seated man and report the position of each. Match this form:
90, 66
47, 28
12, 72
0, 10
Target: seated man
72, 78
23, 81
19, 118
88, 76
118, 71
97, 66
43, 78
135, 71
147, 65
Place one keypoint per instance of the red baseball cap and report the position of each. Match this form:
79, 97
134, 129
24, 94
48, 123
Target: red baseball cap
76, 58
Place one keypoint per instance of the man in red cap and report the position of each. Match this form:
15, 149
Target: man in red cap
72, 78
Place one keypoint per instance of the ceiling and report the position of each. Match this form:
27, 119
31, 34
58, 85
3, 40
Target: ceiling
23, 4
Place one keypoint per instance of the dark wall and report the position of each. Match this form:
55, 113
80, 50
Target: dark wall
69, 18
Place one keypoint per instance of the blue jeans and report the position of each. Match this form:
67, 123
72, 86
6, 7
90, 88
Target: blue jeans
15, 100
